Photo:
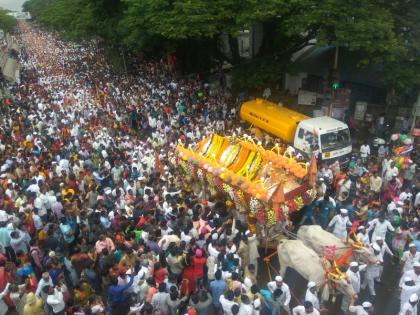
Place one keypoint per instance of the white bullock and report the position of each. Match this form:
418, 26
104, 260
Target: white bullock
294, 254
318, 239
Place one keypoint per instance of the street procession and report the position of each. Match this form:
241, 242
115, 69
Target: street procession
147, 191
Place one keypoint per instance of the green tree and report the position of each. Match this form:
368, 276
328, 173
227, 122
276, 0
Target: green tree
7, 22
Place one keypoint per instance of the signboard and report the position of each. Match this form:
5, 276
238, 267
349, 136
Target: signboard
306, 98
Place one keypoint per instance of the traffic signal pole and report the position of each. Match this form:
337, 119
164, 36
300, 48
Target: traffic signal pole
334, 84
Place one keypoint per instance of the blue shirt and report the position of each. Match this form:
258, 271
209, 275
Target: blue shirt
116, 292
217, 287
324, 208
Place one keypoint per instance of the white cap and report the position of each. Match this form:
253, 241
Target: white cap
257, 303
278, 278
414, 298
354, 264
361, 227
366, 304
343, 211
412, 245
407, 279
378, 238
416, 264
311, 284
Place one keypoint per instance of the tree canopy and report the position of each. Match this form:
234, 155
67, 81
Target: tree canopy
7, 22
386, 32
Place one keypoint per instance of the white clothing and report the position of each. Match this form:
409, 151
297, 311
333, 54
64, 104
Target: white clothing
3, 306
56, 301
355, 278
384, 248
412, 275
286, 296
364, 150
390, 173
340, 224
408, 309
226, 305
364, 238
300, 310
417, 200
409, 260
380, 228
406, 292
313, 298
245, 309
358, 310
405, 196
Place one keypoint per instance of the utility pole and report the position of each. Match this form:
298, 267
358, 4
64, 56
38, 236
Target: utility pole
334, 81
123, 57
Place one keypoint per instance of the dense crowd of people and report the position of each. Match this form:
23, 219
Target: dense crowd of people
95, 217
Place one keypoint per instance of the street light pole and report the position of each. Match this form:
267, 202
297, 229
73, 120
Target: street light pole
333, 87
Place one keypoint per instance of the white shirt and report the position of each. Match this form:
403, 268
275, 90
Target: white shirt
364, 238
408, 309
409, 260
300, 310
412, 275
380, 228
340, 224
417, 200
358, 309
405, 196
286, 296
245, 309
355, 278
226, 305
56, 301
406, 291
391, 172
364, 150
384, 248
313, 298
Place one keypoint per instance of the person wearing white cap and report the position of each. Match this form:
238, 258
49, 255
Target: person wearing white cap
340, 222
278, 283
380, 226
353, 273
363, 235
312, 295
410, 307
409, 257
383, 248
413, 274
372, 271
365, 309
407, 289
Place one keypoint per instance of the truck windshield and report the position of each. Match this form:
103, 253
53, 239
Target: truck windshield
335, 140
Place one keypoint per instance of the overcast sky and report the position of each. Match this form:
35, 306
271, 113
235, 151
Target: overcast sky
15, 5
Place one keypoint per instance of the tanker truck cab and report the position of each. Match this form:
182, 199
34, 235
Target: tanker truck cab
327, 137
